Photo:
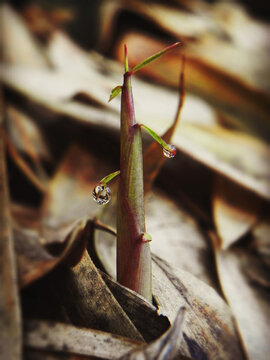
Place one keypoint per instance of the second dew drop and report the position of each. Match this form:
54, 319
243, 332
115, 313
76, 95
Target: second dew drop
102, 194
170, 153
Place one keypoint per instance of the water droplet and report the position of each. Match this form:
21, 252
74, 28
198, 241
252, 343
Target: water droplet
102, 194
170, 153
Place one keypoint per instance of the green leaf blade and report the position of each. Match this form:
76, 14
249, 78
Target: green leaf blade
156, 137
115, 91
109, 177
154, 57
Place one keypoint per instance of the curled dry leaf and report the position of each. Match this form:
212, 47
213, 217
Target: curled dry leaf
164, 348
89, 303
142, 313
235, 209
10, 317
209, 331
53, 336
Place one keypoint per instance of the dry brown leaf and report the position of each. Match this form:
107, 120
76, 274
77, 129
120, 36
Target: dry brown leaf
235, 209
10, 316
209, 331
240, 157
53, 336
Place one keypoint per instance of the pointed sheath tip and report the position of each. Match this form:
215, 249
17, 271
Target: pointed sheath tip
174, 45
126, 58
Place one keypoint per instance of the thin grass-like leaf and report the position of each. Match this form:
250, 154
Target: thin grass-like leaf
156, 137
154, 57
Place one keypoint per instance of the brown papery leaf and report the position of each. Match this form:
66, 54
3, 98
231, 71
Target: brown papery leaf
239, 268
10, 317
209, 330
53, 336
235, 210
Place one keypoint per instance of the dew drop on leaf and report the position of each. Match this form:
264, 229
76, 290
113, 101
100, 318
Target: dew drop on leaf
102, 194
170, 153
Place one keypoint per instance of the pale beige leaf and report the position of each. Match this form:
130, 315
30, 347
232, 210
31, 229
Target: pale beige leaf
209, 331
17, 44
52, 336
177, 237
240, 157
247, 299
